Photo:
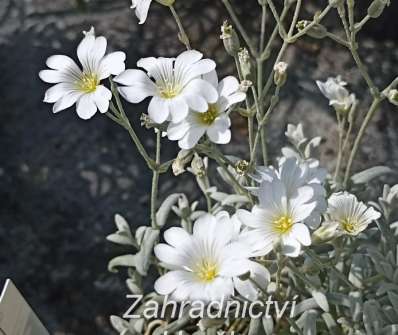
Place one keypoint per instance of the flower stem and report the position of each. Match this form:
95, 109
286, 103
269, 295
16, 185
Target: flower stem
155, 181
182, 35
369, 116
240, 27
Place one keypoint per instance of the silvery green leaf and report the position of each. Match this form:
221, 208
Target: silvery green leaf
206, 323
234, 199
134, 283
390, 330
218, 196
268, 325
366, 176
330, 323
339, 299
123, 235
308, 151
356, 275
305, 305
390, 314
371, 318
256, 327
125, 260
143, 260
321, 300
310, 323
393, 297
120, 325
137, 326
356, 306
384, 287
164, 210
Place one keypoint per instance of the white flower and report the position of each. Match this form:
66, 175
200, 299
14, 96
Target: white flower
338, 96
177, 85
82, 87
348, 215
295, 175
279, 219
203, 264
141, 9
214, 122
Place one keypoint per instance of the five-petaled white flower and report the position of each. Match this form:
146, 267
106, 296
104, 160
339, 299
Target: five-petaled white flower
338, 95
214, 122
295, 175
178, 85
347, 215
203, 264
82, 87
278, 219
141, 9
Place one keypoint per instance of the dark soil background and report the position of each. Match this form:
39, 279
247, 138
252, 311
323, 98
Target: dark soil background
63, 179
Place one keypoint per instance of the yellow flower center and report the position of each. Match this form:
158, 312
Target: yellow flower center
349, 225
283, 224
88, 82
208, 118
169, 90
207, 271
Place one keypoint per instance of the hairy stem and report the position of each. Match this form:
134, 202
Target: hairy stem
155, 181
183, 35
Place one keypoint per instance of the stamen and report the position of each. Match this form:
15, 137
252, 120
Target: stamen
207, 271
349, 225
88, 82
283, 224
208, 117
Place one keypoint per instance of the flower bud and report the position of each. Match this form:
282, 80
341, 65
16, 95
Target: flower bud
376, 8
167, 3
325, 233
199, 166
280, 73
393, 96
245, 85
244, 61
316, 31
183, 158
242, 167
230, 39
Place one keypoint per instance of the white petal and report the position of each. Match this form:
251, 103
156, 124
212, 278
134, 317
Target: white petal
212, 78
167, 283
202, 88
191, 138
63, 63
219, 136
141, 9
187, 58
176, 131
260, 275
101, 97
158, 110
302, 212
55, 76
219, 131
196, 102
169, 255
66, 101
86, 107
112, 64
56, 92
226, 102
178, 109
199, 68
234, 267
227, 86
177, 236
139, 86
133, 78
204, 226
301, 233
290, 246
84, 50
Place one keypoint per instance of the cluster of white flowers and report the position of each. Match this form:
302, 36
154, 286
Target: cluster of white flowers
207, 265
185, 90
249, 242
